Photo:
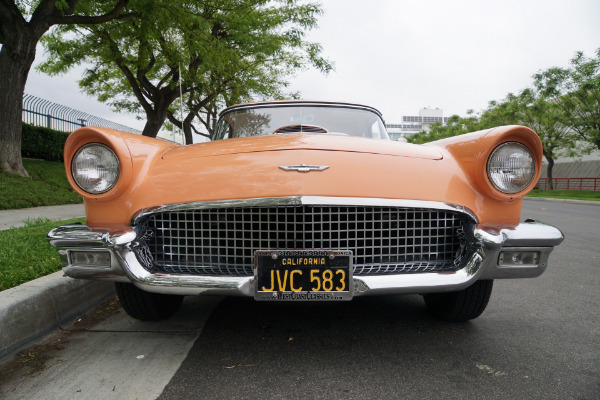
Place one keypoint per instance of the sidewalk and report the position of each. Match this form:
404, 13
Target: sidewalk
43, 306
15, 218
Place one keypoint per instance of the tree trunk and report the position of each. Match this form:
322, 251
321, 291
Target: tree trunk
187, 129
549, 171
15, 62
153, 124
19, 38
156, 118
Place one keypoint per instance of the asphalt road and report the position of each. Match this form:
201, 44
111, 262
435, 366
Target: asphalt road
539, 338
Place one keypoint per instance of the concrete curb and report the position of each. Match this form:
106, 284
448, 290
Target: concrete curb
35, 309
586, 202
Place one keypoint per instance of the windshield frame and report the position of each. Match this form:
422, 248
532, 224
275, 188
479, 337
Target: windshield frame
221, 134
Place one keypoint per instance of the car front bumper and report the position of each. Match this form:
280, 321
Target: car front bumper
520, 252
483, 264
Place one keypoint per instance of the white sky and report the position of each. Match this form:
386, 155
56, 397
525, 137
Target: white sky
402, 55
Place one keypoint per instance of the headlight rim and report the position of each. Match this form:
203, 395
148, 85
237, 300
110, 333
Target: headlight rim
119, 168
525, 187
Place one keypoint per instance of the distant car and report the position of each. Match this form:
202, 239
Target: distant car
302, 201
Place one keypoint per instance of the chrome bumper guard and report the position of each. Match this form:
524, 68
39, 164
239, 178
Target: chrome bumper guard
531, 237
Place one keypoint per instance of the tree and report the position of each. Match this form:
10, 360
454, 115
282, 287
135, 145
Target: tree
563, 107
576, 91
455, 125
22, 25
202, 50
244, 84
531, 108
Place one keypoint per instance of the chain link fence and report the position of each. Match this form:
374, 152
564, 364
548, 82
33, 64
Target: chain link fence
41, 112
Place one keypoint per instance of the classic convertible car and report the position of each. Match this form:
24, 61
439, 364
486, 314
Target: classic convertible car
301, 201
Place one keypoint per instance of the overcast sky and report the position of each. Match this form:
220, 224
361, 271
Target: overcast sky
400, 55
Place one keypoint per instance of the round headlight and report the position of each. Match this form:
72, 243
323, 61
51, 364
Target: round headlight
95, 168
511, 167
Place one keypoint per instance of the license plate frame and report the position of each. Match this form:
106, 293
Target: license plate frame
303, 275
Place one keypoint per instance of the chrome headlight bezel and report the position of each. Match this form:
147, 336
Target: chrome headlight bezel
511, 167
97, 174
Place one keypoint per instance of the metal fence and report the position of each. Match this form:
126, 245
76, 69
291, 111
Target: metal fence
571, 183
41, 112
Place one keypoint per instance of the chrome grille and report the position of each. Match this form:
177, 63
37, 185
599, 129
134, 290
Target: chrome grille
384, 240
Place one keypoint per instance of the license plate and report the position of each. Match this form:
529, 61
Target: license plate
303, 275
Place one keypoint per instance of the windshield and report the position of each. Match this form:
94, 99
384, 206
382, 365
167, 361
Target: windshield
335, 120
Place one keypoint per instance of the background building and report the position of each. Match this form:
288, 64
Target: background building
416, 123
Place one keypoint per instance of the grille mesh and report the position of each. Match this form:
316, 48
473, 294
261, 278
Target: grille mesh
384, 240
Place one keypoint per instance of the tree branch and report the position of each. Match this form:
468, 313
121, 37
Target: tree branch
127, 72
115, 13
9, 12
174, 120
41, 18
166, 77
141, 74
197, 132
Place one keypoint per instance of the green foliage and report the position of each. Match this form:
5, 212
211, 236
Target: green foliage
455, 126
228, 51
562, 107
25, 254
46, 185
44, 143
576, 92
532, 109
566, 194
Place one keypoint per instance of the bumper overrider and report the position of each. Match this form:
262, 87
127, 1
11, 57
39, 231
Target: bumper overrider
520, 252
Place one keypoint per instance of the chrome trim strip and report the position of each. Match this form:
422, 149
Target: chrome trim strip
78, 235
297, 103
303, 167
531, 234
307, 200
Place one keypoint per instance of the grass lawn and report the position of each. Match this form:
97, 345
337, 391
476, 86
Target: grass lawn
25, 254
46, 186
566, 194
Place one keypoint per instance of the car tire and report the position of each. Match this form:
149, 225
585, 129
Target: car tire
147, 306
462, 305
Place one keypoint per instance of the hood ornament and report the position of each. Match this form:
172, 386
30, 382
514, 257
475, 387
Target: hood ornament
303, 167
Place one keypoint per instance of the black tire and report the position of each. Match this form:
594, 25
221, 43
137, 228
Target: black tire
462, 305
147, 306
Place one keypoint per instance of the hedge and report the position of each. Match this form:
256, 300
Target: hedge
44, 143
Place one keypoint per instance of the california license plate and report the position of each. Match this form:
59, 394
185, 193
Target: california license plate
303, 275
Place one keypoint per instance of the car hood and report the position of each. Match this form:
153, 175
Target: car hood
303, 142
154, 172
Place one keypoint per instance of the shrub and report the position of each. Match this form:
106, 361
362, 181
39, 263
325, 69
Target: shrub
44, 143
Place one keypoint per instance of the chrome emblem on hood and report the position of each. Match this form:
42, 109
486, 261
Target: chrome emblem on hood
303, 167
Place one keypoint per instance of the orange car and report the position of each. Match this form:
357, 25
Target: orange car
300, 201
